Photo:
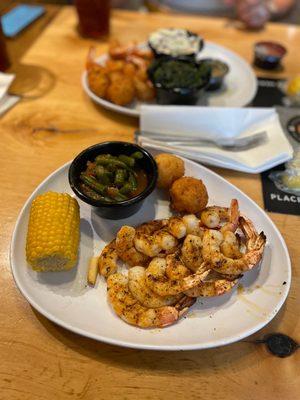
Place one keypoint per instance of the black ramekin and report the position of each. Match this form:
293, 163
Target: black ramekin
191, 56
122, 209
215, 82
178, 95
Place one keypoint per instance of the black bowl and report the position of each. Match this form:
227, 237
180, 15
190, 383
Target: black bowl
178, 95
216, 81
191, 56
268, 55
122, 209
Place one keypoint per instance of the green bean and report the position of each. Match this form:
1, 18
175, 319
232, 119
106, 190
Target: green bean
102, 157
121, 197
114, 163
127, 160
115, 194
120, 176
90, 192
138, 155
102, 175
133, 182
94, 195
126, 189
93, 184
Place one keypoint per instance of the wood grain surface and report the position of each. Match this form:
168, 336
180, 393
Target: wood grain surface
39, 360
18, 45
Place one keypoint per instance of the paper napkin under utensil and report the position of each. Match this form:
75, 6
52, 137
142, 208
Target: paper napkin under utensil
216, 122
6, 100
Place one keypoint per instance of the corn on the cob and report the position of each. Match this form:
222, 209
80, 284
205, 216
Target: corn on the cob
53, 232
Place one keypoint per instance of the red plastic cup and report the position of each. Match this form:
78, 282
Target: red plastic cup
93, 17
4, 60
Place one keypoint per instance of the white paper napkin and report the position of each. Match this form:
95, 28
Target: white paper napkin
6, 100
214, 122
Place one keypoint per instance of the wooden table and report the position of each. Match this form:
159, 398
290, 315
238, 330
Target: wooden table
17, 46
40, 360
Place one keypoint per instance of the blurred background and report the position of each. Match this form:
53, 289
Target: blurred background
254, 13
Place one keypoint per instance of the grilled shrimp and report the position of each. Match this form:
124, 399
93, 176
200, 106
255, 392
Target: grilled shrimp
177, 227
255, 244
131, 311
180, 227
167, 242
193, 225
146, 244
152, 245
108, 260
191, 252
148, 228
125, 247
139, 290
158, 281
214, 285
175, 269
230, 246
211, 217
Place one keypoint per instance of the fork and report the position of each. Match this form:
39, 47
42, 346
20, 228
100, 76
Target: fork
233, 144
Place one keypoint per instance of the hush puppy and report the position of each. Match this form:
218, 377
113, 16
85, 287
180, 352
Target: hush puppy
170, 168
188, 195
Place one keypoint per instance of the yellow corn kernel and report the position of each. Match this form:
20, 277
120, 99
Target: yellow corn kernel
53, 232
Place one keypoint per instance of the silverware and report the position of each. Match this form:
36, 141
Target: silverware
232, 144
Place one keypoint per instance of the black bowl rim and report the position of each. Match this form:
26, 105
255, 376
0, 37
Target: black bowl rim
159, 85
225, 66
96, 203
193, 54
270, 42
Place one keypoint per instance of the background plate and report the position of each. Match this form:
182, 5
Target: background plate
64, 297
239, 89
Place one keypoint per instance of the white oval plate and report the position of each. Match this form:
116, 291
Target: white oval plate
239, 89
65, 299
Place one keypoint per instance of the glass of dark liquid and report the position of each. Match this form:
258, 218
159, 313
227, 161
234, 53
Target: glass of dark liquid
93, 18
4, 60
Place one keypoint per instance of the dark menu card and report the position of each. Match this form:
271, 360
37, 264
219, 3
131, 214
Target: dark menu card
276, 200
270, 94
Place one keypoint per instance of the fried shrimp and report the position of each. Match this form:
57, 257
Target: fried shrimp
131, 311
96, 75
125, 247
255, 244
144, 89
170, 168
214, 285
158, 281
121, 91
139, 290
188, 195
108, 260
